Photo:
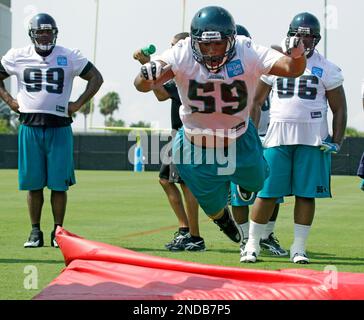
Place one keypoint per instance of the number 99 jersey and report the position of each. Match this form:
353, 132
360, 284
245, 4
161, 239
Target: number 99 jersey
218, 102
44, 83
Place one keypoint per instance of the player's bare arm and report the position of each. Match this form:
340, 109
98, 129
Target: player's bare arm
141, 57
337, 103
153, 75
160, 92
94, 81
6, 96
289, 67
293, 64
261, 95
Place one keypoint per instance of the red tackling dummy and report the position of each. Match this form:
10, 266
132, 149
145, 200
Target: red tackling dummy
100, 271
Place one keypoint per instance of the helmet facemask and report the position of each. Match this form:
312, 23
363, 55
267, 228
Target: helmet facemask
213, 62
305, 33
37, 36
306, 26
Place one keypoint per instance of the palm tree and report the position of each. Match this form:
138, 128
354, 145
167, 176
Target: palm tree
109, 103
85, 110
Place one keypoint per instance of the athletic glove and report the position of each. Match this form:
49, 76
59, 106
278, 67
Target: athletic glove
329, 147
151, 70
293, 47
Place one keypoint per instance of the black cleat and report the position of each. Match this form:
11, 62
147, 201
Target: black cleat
53, 239
272, 246
177, 236
35, 239
228, 225
188, 243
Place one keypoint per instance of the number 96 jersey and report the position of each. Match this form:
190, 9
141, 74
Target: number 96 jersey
303, 99
218, 103
44, 83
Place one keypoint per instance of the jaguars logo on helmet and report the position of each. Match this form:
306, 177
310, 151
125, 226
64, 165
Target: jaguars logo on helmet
39, 22
306, 24
213, 24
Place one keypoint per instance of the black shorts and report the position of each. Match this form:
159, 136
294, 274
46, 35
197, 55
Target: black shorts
169, 172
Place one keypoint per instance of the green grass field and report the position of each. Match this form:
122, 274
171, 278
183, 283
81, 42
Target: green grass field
131, 211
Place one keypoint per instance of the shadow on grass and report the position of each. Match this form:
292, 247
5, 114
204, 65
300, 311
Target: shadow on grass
31, 261
320, 258
236, 251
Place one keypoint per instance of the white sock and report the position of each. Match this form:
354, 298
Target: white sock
245, 230
268, 229
255, 233
300, 236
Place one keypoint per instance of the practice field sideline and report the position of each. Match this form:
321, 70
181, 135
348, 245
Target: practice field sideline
130, 210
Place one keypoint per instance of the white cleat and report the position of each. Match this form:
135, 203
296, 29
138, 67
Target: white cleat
299, 256
248, 256
249, 252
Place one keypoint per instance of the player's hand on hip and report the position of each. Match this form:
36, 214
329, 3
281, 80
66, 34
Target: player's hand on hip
13, 104
293, 47
151, 70
73, 107
141, 57
329, 147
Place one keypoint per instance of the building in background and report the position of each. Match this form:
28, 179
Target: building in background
5, 44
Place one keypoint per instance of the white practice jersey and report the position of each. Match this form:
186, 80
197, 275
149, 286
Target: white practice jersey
218, 103
299, 105
44, 83
264, 118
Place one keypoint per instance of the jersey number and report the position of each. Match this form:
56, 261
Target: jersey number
54, 76
233, 92
286, 86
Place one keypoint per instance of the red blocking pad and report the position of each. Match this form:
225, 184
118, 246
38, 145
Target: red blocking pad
98, 271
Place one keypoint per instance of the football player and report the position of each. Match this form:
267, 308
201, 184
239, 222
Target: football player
216, 75
187, 237
240, 207
45, 72
297, 144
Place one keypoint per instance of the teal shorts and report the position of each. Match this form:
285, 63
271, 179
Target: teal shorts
208, 171
236, 201
45, 158
298, 170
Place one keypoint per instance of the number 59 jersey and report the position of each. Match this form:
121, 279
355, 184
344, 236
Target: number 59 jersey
218, 103
44, 83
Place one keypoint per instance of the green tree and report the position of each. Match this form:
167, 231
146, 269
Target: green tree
4, 127
109, 103
140, 124
9, 120
111, 122
85, 110
352, 132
